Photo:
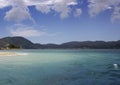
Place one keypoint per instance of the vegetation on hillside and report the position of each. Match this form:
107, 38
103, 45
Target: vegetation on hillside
11, 46
20, 42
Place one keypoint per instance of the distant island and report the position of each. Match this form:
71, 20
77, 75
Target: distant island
23, 43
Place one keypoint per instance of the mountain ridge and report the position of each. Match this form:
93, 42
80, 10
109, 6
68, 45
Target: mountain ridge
27, 44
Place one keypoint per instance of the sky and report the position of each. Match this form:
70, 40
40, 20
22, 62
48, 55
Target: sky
59, 21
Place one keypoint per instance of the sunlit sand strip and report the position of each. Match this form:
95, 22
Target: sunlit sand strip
12, 54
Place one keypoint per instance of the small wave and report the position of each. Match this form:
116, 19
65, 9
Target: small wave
22, 53
115, 66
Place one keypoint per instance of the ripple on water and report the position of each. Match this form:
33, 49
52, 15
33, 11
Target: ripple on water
7, 81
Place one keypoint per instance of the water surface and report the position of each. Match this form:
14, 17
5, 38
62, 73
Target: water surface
61, 67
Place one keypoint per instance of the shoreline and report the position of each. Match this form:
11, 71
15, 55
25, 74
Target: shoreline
11, 54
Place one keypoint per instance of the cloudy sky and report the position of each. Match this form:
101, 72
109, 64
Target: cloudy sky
58, 21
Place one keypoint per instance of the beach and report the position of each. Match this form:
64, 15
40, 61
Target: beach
11, 54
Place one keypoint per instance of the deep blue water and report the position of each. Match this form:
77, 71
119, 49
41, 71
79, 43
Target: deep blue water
61, 67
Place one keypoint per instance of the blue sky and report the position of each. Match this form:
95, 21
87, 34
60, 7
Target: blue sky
58, 21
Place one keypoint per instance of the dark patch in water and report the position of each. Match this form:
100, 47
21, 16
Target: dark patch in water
6, 81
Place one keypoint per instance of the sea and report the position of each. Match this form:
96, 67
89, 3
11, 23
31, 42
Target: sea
61, 67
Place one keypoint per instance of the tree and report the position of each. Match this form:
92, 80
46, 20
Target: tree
11, 46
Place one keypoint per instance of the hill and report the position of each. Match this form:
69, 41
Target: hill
26, 44
92, 45
17, 41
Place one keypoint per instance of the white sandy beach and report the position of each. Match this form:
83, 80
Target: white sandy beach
11, 54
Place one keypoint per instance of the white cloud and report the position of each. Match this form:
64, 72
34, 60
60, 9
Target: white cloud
3, 3
30, 31
78, 12
26, 31
43, 8
116, 14
60, 6
63, 7
20, 10
17, 14
98, 6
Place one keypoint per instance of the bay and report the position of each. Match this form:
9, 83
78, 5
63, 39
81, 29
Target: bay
61, 67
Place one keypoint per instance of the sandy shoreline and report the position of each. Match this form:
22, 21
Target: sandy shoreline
11, 54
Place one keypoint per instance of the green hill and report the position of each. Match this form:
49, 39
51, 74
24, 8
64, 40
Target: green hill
23, 43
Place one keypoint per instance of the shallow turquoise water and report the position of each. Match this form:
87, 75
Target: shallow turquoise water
61, 67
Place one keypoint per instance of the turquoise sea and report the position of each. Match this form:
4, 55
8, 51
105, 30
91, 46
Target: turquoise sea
61, 67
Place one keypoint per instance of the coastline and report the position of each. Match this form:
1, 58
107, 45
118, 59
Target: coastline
11, 54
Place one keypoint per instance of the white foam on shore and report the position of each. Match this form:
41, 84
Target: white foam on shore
12, 54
